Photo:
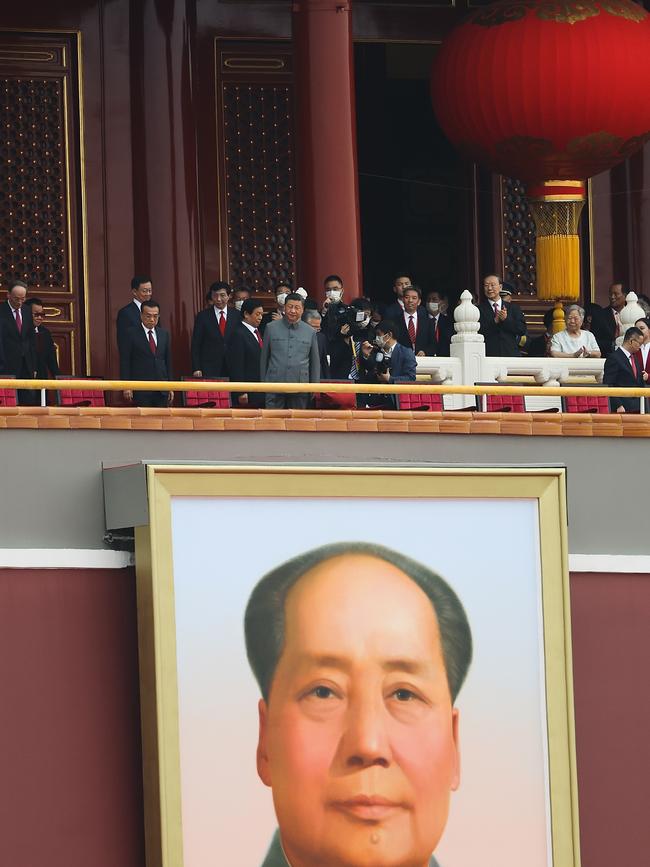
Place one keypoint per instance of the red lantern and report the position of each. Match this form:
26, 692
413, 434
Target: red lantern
549, 92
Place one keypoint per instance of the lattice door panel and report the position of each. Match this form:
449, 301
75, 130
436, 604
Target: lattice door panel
41, 233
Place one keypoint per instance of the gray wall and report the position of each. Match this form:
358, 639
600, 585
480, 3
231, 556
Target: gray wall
52, 480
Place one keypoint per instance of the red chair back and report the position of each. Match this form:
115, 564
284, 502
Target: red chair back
80, 396
426, 402
589, 403
504, 403
206, 399
8, 395
335, 400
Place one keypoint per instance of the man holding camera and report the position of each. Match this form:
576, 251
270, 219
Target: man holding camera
386, 361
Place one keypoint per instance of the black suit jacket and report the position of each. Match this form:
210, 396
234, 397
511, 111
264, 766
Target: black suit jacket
424, 336
603, 327
502, 338
18, 346
127, 317
244, 363
393, 312
137, 361
619, 373
208, 345
45, 353
445, 331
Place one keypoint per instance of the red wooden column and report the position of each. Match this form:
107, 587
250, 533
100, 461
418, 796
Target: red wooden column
327, 193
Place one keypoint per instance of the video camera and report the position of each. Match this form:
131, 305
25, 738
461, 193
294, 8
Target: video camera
348, 314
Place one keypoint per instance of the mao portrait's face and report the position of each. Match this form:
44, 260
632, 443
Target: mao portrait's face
359, 739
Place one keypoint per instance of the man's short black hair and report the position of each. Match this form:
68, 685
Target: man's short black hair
264, 620
251, 304
385, 326
412, 288
632, 332
331, 278
243, 289
293, 296
441, 293
283, 284
139, 280
31, 301
361, 304
217, 286
150, 303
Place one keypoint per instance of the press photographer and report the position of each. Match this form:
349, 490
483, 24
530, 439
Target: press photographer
345, 348
385, 361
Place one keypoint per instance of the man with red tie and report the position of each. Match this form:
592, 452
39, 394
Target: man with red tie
443, 324
213, 328
622, 370
414, 328
642, 357
17, 338
146, 355
244, 352
501, 324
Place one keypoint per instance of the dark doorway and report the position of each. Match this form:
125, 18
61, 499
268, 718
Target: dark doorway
415, 190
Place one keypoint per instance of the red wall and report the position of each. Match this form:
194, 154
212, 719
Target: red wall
611, 658
71, 792
70, 767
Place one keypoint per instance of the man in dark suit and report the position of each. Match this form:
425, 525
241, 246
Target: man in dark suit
414, 328
623, 371
17, 329
441, 322
605, 322
213, 328
502, 325
129, 315
45, 358
147, 355
244, 352
394, 310
398, 364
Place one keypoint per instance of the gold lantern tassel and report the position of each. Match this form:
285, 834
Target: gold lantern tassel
557, 214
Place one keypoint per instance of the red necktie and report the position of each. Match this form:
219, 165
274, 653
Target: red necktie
152, 343
19, 321
222, 323
411, 331
259, 337
633, 363
438, 329
496, 311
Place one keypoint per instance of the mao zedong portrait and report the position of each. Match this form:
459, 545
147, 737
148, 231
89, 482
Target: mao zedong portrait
359, 653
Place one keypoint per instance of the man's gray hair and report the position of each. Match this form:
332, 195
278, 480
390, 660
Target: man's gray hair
264, 620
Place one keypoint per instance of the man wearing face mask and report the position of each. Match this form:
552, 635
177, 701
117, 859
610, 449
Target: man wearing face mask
443, 325
332, 305
345, 352
386, 361
281, 292
240, 295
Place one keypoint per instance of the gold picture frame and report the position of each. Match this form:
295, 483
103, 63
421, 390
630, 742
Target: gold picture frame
157, 629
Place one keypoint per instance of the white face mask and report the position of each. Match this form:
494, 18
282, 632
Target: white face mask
433, 307
281, 298
238, 304
380, 341
302, 292
365, 322
334, 295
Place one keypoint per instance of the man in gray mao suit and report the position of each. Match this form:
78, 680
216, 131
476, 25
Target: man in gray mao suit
290, 354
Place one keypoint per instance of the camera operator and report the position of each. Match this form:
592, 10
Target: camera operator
345, 349
386, 361
332, 307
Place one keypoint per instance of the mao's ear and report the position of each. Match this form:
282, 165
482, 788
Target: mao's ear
455, 723
263, 770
